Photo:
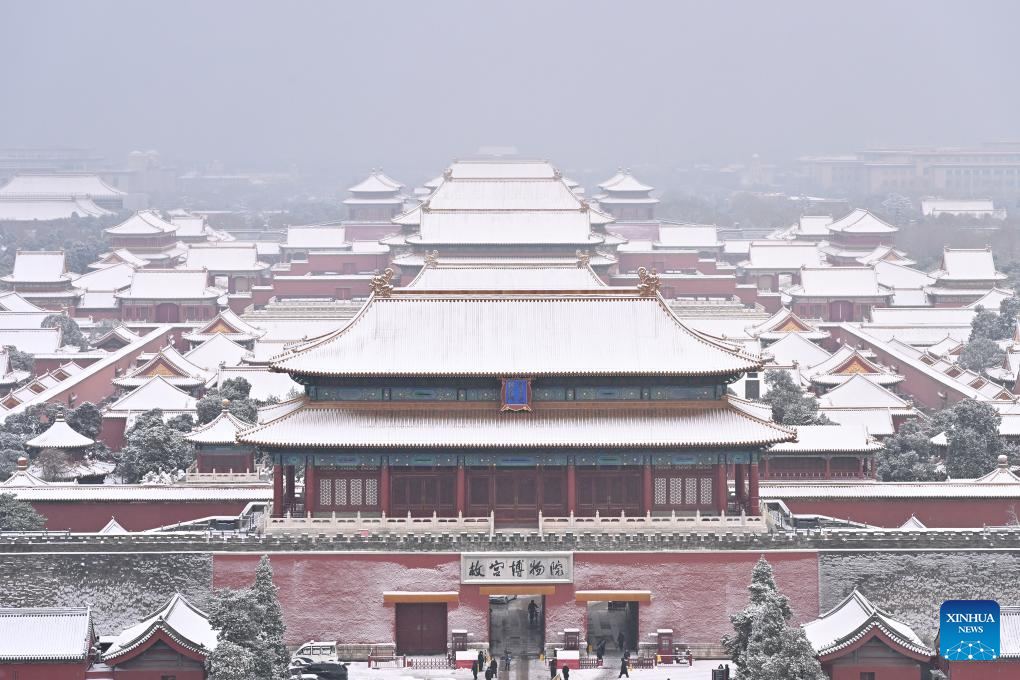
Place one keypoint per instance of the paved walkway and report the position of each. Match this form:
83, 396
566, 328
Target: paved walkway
535, 670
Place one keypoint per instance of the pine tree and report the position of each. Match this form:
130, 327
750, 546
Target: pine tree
270, 621
231, 661
17, 515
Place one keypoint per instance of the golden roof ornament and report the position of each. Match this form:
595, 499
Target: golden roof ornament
382, 284
649, 286
431, 258
583, 259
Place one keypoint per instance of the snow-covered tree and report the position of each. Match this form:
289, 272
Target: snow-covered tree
790, 404
980, 354
763, 646
972, 430
270, 621
235, 392
153, 446
231, 661
16, 515
70, 332
909, 456
988, 325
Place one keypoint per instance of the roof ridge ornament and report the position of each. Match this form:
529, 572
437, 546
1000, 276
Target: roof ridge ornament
382, 284
583, 259
650, 282
431, 258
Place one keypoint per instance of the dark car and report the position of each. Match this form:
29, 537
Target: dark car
326, 670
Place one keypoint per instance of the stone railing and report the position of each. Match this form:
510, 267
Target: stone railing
621, 523
673, 522
229, 477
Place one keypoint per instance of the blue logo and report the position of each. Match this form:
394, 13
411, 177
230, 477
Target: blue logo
969, 630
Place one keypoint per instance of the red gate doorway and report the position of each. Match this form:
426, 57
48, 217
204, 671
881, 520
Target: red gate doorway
168, 312
421, 627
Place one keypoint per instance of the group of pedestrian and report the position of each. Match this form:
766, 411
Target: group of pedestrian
479, 665
564, 673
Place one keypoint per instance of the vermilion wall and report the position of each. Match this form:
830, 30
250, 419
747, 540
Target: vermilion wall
985, 670
42, 671
629, 262
89, 517
853, 672
339, 263
933, 512
340, 595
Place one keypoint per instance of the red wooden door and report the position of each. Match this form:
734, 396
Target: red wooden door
841, 310
516, 495
168, 312
421, 628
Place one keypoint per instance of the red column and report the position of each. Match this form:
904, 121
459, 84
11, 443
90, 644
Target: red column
860, 468
461, 490
752, 500
571, 488
277, 490
721, 492
828, 468
311, 487
384, 488
738, 482
289, 491
648, 496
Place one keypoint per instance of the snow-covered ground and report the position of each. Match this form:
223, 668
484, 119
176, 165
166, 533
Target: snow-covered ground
701, 670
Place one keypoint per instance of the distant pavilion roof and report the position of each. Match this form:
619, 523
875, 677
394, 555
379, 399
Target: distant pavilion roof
59, 435
143, 223
170, 284
44, 209
847, 362
516, 335
968, 264
855, 620
841, 282
828, 439
156, 392
861, 221
171, 366
784, 322
860, 392
226, 257
377, 182
59, 185
222, 429
226, 323
39, 266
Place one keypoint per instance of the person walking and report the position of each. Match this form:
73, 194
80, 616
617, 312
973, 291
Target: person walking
474, 669
600, 650
624, 667
493, 667
552, 667
532, 613
566, 673
621, 641
488, 672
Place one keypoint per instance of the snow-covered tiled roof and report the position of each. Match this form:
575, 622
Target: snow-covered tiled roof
59, 435
624, 181
188, 225
923, 316
782, 255
854, 618
117, 256
516, 194
794, 347
693, 236
26, 320
32, 340
813, 225
13, 302
377, 182
225, 257
114, 277
59, 185
39, 266
222, 429
844, 282
525, 274
877, 422
481, 227
274, 411
847, 362
885, 254
500, 169
43, 209
168, 364
968, 264
973, 207
341, 426
227, 323
861, 221
893, 275
45, 634
156, 392
515, 335
992, 299
113, 527
859, 392
178, 619
218, 350
828, 439
783, 323
316, 237
264, 383
169, 284
143, 223
912, 524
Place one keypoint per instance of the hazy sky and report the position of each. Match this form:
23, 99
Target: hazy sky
410, 85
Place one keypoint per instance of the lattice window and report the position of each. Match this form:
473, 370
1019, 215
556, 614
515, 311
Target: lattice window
341, 491
326, 492
691, 490
371, 492
355, 492
676, 491
660, 490
706, 491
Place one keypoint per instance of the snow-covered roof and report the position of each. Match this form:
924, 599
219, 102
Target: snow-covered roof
218, 350
693, 236
27, 320
222, 429
264, 383
783, 323
225, 257
828, 439
316, 237
117, 256
847, 362
227, 323
624, 181
860, 392
13, 302
861, 221
188, 225
185, 624
45, 634
168, 364
992, 299
974, 207
500, 169
43, 209
794, 347
169, 284
782, 255
156, 392
923, 316
883, 254
968, 264
274, 411
113, 527
525, 274
878, 422
504, 194
341, 426
843, 282
893, 275
114, 277
39, 266
143, 223
32, 340
59, 435
853, 619
813, 225
59, 185
1000, 475
572, 227
377, 182
515, 335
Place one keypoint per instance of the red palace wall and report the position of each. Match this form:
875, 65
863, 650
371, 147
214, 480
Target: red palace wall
340, 595
339, 263
984, 670
90, 517
369, 231
321, 286
663, 262
881, 672
933, 512
42, 671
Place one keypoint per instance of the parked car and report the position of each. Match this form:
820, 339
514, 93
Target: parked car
317, 651
325, 670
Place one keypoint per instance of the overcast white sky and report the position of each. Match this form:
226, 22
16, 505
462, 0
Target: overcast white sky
410, 85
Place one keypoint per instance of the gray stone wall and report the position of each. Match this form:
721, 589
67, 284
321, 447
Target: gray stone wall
121, 588
913, 585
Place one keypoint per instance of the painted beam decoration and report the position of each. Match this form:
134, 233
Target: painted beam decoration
517, 567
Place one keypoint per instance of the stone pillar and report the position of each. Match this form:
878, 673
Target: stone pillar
277, 490
752, 491
648, 495
461, 490
311, 486
571, 488
384, 488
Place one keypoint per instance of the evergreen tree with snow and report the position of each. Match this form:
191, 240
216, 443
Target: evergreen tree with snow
18, 515
270, 620
230, 661
790, 404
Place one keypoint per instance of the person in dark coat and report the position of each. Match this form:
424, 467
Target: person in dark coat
474, 669
566, 673
493, 668
624, 667
600, 649
488, 673
621, 641
552, 668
